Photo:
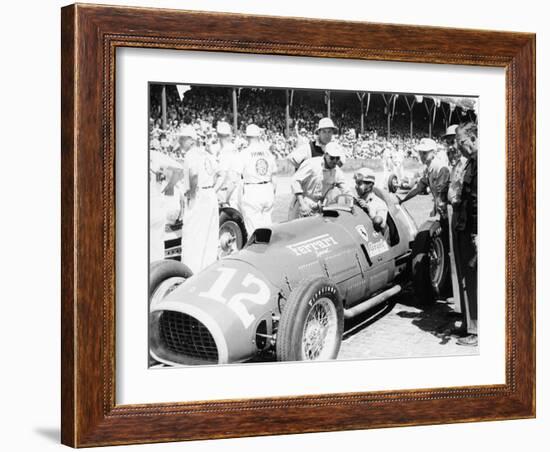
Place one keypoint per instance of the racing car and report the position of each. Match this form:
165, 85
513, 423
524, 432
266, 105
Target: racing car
232, 234
292, 285
407, 181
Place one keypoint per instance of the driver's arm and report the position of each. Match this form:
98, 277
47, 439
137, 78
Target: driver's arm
380, 209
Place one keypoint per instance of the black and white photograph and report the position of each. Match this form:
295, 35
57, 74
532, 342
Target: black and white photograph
292, 224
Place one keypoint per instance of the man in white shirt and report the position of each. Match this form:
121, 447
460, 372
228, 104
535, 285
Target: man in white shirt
201, 216
258, 192
228, 183
436, 176
315, 178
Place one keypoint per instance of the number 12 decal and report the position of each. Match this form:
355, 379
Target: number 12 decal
238, 302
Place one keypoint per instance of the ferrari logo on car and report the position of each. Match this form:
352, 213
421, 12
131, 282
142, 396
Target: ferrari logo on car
319, 244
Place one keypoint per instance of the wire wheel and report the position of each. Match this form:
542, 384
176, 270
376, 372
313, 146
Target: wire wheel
230, 239
437, 257
320, 333
311, 323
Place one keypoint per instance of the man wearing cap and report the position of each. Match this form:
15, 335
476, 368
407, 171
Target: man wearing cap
436, 176
315, 178
228, 166
466, 230
457, 163
201, 217
257, 166
315, 148
375, 207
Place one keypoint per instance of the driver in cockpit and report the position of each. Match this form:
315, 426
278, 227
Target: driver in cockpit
375, 207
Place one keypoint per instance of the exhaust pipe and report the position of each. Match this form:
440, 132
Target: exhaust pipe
371, 302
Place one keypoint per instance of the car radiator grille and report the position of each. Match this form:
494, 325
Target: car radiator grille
186, 339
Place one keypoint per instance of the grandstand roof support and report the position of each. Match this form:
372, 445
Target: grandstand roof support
431, 114
327, 101
368, 105
446, 117
235, 113
361, 97
163, 106
287, 113
410, 106
387, 102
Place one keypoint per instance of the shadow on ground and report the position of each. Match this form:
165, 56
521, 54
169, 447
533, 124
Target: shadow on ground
438, 319
357, 324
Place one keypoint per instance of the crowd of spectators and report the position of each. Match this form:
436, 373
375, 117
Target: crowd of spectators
202, 107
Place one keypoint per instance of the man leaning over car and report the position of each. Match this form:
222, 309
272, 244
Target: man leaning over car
436, 177
315, 178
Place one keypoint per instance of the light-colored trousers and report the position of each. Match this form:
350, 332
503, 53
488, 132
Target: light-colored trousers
257, 206
200, 234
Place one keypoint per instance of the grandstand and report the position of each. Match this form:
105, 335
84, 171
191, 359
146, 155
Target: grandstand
368, 122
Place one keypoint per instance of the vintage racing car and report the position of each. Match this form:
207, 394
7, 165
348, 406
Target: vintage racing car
392, 182
292, 285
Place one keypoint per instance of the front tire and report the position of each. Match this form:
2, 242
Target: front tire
164, 277
166, 270
312, 322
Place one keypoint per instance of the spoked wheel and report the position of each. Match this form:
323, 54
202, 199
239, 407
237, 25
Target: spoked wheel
231, 239
232, 232
437, 261
164, 277
320, 331
393, 183
312, 322
430, 266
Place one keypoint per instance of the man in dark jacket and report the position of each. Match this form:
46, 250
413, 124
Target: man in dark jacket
466, 229
316, 148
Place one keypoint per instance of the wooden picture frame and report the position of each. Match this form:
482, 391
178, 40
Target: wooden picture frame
90, 36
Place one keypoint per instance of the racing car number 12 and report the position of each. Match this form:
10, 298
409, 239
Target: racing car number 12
238, 302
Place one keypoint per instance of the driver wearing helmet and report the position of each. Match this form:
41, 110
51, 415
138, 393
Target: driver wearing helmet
375, 207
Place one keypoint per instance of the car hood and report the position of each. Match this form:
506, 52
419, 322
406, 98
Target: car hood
230, 299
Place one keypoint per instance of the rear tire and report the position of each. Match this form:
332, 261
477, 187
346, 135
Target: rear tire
312, 322
430, 266
393, 183
231, 227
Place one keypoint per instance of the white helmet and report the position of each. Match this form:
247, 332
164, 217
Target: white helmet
253, 131
326, 123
